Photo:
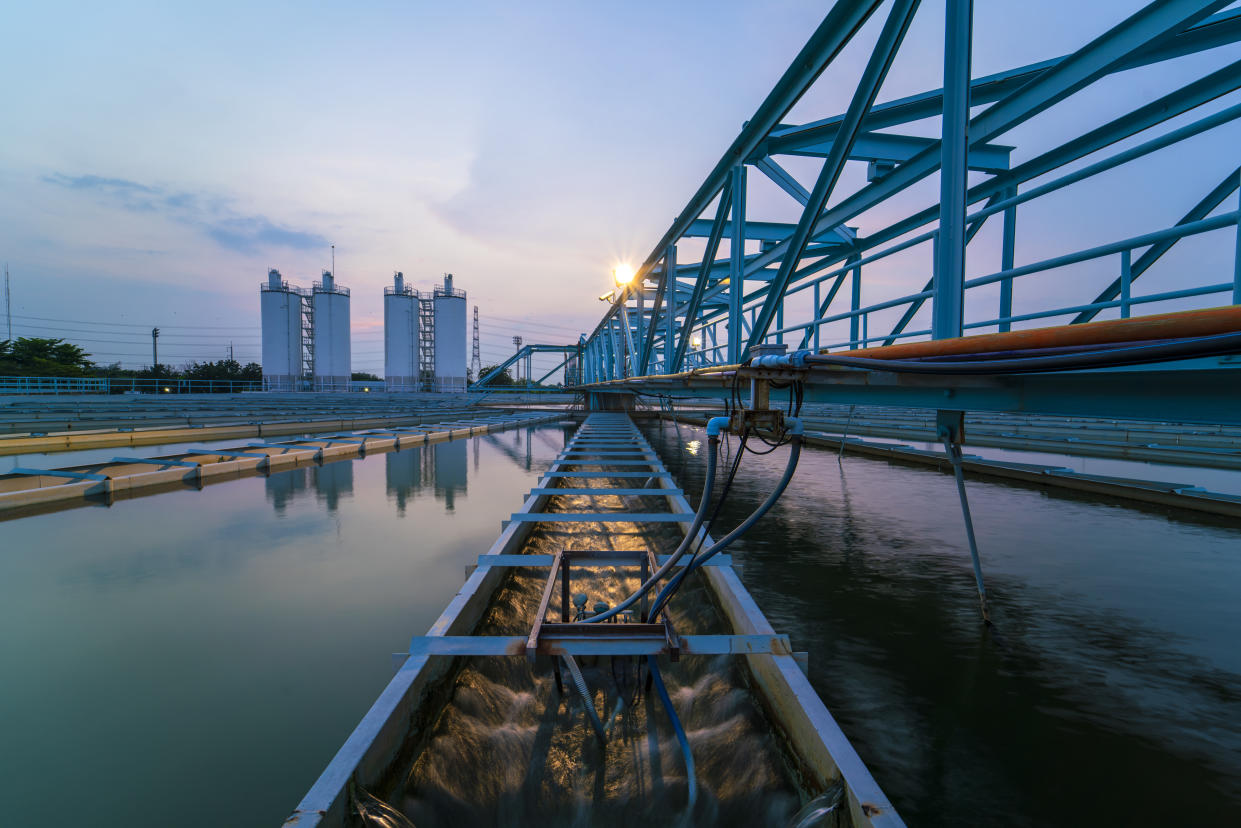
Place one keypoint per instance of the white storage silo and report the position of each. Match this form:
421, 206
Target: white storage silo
400, 336
450, 360
332, 357
281, 307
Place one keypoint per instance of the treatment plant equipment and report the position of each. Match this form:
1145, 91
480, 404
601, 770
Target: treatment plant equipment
332, 353
449, 337
401, 303
284, 337
305, 335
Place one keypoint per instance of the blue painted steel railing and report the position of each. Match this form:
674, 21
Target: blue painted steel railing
121, 385
678, 314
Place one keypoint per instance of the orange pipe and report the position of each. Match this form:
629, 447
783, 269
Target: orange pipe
1179, 325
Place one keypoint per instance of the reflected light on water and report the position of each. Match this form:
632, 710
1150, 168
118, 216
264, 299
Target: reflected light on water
692, 447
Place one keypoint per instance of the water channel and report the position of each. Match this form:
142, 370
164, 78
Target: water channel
196, 657
1110, 693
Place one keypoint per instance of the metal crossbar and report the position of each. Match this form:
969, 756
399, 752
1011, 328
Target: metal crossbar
601, 517
601, 559
58, 473
551, 643
155, 461
608, 492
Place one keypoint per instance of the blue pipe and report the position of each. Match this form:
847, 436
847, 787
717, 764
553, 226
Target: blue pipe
677, 729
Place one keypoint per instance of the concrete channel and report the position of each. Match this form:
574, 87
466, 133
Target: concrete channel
400, 722
1174, 495
30, 491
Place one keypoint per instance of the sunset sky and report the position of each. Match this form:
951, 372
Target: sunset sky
157, 158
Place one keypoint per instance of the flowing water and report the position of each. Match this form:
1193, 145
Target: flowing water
1110, 693
510, 750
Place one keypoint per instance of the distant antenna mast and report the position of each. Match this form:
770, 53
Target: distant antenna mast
230, 352
154, 349
476, 362
8, 305
333, 261
517, 366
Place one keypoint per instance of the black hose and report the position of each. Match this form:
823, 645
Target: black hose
696, 561
580, 682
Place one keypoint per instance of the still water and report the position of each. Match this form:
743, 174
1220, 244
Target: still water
1110, 693
195, 658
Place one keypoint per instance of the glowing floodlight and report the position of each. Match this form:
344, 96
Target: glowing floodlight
623, 274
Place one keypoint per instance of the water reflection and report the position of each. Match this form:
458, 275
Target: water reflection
451, 471
518, 449
332, 481
403, 474
283, 487
1114, 695
231, 637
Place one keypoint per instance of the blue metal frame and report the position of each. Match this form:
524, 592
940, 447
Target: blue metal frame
526, 353
739, 301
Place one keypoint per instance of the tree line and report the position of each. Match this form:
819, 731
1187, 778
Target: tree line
46, 357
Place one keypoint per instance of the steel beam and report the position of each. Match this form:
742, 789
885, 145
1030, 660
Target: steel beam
736, 264
837, 29
948, 306
873, 75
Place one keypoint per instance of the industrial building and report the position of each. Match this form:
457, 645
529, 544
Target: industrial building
305, 335
449, 337
285, 354
330, 335
401, 310
424, 337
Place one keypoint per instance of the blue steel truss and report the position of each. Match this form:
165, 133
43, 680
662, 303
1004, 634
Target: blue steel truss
679, 313
571, 354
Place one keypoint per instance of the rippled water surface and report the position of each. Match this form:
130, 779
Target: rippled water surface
195, 658
1111, 693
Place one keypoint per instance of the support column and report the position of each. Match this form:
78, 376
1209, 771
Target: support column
1006, 260
815, 329
736, 267
1236, 267
670, 305
947, 310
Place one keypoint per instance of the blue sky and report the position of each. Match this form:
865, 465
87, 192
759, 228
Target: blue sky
158, 158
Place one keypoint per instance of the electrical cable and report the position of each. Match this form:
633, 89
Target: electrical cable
696, 561
690, 534
1203, 346
690, 777
580, 681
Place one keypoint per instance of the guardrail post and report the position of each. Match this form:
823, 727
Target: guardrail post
1126, 280
855, 302
815, 329
1006, 260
